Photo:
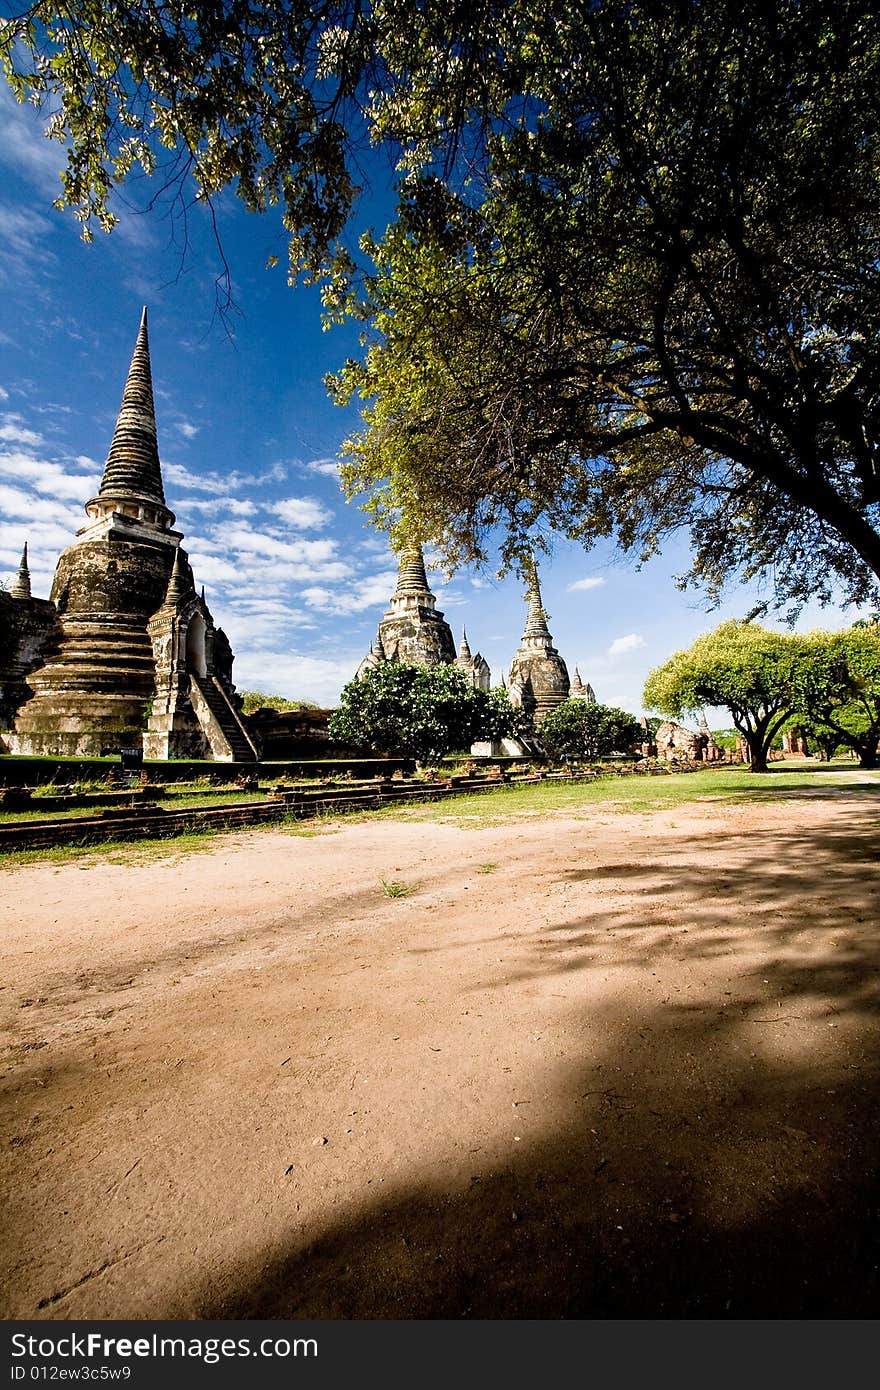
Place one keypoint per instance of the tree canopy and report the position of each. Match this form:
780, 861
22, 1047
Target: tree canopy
742, 666
422, 712
837, 689
578, 729
253, 700
632, 283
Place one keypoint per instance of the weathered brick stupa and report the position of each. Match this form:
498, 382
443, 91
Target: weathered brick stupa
134, 659
411, 630
27, 625
579, 691
538, 675
476, 668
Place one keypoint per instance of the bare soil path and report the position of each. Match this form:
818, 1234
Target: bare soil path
590, 1065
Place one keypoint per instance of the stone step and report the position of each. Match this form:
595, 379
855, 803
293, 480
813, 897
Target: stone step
240, 746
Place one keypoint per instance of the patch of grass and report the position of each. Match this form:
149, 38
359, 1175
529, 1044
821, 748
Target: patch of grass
494, 807
185, 802
144, 851
393, 888
323, 821
486, 868
303, 829
632, 794
73, 813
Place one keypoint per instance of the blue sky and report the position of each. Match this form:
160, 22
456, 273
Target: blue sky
248, 438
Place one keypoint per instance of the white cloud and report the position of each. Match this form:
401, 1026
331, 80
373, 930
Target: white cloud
201, 482
4, 394
281, 573
257, 624
371, 592
328, 468
14, 431
297, 676
450, 598
374, 546
213, 505
304, 513
20, 233
48, 477
189, 431
582, 585
25, 146
46, 539
630, 643
15, 502
221, 484
213, 569
298, 552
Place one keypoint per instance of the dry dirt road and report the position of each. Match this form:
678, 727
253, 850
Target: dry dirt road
592, 1065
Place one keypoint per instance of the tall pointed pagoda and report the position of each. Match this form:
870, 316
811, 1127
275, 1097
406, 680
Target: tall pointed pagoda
579, 691
103, 669
413, 629
21, 587
132, 483
538, 674
476, 668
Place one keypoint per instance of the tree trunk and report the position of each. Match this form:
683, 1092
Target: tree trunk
757, 744
868, 757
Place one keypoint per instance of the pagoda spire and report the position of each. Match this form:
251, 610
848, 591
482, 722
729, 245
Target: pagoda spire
464, 651
133, 460
180, 583
537, 668
21, 587
412, 578
536, 619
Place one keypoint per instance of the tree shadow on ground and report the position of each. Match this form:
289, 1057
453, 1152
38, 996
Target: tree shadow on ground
717, 1157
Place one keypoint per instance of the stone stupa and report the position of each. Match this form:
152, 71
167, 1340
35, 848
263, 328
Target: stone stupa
134, 658
538, 678
412, 629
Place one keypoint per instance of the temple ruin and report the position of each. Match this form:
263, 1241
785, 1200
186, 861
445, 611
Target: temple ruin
413, 630
539, 679
125, 653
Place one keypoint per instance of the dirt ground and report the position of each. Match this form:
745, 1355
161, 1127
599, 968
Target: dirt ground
595, 1065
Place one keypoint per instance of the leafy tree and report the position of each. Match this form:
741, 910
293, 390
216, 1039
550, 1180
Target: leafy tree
838, 688
499, 719
252, 700
742, 666
640, 312
633, 283
576, 729
248, 93
422, 712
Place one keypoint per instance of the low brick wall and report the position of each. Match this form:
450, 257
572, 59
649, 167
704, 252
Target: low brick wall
37, 772
298, 804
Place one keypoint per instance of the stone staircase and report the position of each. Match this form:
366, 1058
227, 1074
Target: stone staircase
223, 727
